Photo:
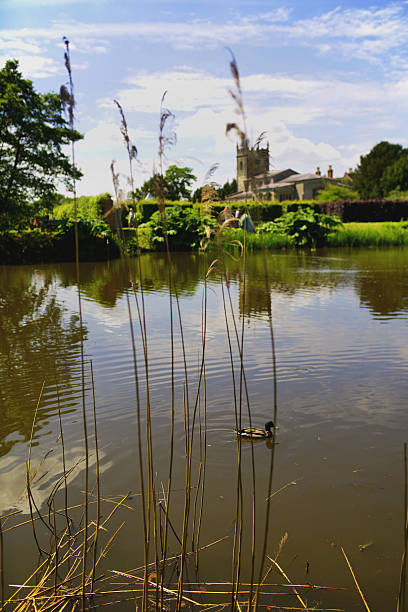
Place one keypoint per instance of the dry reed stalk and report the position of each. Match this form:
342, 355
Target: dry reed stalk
98, 489
140, 455
401, 602
275, 563
1, 565
190, 440
63, 452
28, 476
151, 493
203, 465
355, 580
69, 98
275, 414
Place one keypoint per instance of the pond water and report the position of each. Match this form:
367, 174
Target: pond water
340, 323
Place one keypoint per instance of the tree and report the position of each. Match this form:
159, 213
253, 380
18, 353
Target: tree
395, 176
178, 181
332, 193
32, 134
367, 177
172, 186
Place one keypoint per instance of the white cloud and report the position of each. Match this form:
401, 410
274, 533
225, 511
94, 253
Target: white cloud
364, 33
35, 66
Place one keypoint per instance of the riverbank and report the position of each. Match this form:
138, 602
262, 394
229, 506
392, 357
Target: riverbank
34, 246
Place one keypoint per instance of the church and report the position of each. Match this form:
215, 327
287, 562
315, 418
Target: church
256, 182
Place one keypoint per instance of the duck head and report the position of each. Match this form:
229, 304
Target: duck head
269, 426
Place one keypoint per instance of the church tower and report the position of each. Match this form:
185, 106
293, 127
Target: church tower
250, 162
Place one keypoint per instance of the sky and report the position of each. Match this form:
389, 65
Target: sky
326, 80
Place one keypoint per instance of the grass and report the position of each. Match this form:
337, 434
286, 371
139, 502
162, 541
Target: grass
370, 234
348, 235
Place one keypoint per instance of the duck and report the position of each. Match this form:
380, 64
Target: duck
257, 433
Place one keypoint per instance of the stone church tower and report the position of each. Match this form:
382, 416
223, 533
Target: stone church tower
250, 162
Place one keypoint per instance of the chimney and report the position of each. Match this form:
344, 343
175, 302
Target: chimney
318, 173
330, 172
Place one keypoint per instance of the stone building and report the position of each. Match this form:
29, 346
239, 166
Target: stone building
256, 182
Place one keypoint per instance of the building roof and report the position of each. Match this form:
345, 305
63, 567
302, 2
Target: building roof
273, 173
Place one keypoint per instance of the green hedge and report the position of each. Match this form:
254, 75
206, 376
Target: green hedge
367, 210
88, 207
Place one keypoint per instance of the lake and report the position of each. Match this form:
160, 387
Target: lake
339, 321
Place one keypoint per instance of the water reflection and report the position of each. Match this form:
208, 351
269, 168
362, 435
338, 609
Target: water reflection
378, 276
39, 340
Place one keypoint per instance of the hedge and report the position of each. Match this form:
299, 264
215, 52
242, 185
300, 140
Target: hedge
367, 210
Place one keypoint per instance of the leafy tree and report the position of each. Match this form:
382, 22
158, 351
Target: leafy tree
172, 186
32, 134
178, 181
227, 189
395, 176
367, 177
332, 193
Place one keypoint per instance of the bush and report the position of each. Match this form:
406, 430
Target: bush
305, 226
88, 207
333, 193
185, 228
96, 242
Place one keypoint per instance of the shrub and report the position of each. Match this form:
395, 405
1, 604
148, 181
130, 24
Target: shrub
88, 207
185, 228
305, 226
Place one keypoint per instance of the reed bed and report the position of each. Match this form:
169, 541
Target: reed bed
74, 542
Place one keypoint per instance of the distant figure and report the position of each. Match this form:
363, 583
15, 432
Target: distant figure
246, 223
131, 219
237, 213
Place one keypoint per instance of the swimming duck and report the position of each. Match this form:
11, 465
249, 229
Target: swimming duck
257, 433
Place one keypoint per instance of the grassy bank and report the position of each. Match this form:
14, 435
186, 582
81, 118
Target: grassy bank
348, 235
370, 234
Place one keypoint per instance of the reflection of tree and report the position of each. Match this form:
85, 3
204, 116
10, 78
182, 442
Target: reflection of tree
382, 281
106, 282
37, 340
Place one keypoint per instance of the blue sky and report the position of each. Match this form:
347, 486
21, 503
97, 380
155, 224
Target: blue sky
325, 80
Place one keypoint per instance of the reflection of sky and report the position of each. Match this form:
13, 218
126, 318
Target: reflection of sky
46, 470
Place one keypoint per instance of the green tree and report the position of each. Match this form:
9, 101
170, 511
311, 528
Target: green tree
395, 176
367, 177
178, 181
332, 193
174, 185
32, 134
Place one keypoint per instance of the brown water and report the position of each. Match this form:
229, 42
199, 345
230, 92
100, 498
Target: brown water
340, 323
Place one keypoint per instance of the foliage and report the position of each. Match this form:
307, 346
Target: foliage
370, 234
96, 242
395, 176
331, 193
185, 227
305, 226
367, 179
174, 185
32, 134
88, 207
397, 194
